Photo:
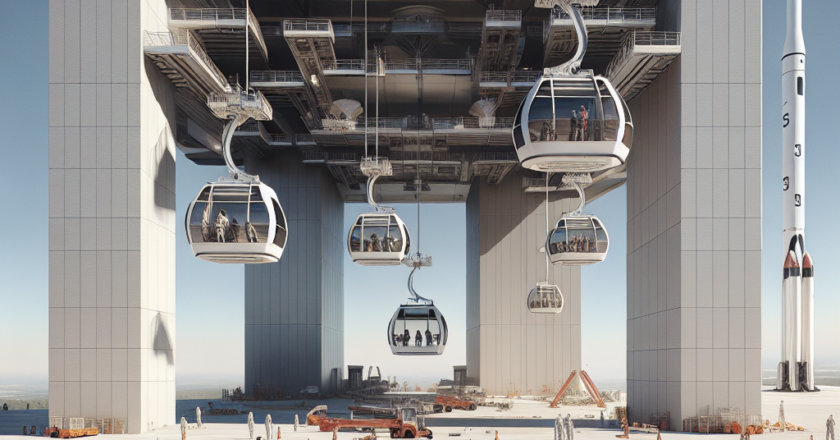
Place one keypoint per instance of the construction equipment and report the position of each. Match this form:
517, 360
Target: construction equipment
374, 379
76, 427
406, 425
587, 385
450, 403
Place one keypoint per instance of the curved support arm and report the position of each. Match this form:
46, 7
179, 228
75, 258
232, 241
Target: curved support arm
227, 138
582, 195
417, 298
572, 66
370, 183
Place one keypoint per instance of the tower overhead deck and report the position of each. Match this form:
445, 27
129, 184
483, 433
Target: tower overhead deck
429, 64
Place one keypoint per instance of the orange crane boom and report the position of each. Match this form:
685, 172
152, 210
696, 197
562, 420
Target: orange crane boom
397, 427
562, 390
587, 383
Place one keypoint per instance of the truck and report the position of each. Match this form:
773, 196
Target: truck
447, 404
405, 425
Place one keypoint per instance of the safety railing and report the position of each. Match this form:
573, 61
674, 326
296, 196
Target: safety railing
472, 122
208, 14
495, 157
443, 64
249, 127
509, 77
498, 15
304, 139
302, 25
427, 156
237, 101
652, 38
185, 37
494, 77
276, 76
158, 39
350, 65
524, 77
655, 38
412, 64
404, 64
314, 157
383, 122
281, 139
611, 15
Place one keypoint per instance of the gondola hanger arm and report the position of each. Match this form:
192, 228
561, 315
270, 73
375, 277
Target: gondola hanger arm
572, 66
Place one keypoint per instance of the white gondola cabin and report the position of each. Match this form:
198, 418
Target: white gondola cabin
237, 222
378, 239
576, 124
545, 298
578, 240
417, 329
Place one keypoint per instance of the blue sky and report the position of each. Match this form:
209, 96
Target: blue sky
210, 308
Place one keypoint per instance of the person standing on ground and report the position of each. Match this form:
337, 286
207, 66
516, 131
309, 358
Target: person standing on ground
829, 428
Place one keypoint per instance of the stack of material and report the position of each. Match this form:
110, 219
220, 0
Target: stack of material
784, 426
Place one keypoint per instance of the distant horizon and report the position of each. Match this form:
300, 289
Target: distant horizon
192, 381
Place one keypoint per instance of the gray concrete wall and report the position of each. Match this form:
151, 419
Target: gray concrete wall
112, 216
508, 347
294, 309
694, 219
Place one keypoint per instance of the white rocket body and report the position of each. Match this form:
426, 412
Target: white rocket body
808, 321
791, 324
797, 302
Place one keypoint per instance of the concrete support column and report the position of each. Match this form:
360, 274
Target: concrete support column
509, 348
294, 309
112, 216
694, 220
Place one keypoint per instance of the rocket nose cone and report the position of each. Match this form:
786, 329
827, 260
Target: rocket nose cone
790, 261
806, 261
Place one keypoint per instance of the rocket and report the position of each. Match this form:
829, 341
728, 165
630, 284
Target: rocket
797, 363
791, 324
807, 380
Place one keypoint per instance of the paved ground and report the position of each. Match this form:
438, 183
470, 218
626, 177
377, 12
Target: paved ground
808, 410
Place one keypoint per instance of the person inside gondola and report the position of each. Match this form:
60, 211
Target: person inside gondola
406, 337
391, 244
573, 126
205, 223
233, 232
428, 337
221, 225
375, 244
545, 134
584, 123
251, 232
418, 339
437, 338
395, 338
